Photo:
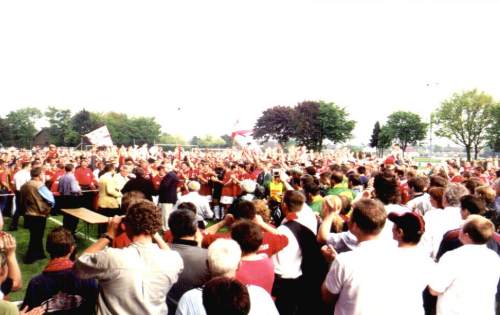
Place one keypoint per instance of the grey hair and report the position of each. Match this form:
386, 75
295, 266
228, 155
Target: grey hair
453, 193
224, 257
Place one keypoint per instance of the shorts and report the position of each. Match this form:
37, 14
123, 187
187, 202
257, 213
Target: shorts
226, 200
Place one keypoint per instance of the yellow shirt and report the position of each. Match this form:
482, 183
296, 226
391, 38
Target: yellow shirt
276, 190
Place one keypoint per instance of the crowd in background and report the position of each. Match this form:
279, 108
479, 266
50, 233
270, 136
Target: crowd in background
246, 232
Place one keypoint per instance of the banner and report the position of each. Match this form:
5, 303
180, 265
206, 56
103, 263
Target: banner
100, 137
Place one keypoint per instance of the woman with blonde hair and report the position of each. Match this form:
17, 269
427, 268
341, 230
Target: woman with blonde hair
332, 205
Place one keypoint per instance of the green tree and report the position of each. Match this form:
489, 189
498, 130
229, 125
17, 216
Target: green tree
335, 124
195, 141
319, 121
21, 126
119, 127
307, 129
406, 128
465, 119
375, 135
228, 141
276, 122
210, 141
166, 138
143, 130
493, 132
84, 122
61, 130
384, 140
4, 132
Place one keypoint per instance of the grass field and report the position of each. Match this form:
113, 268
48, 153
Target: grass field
22, 239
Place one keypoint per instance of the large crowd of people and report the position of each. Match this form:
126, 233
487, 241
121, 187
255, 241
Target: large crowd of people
238, 231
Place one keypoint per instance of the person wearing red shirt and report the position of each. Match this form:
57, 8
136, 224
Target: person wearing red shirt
86, 180
85, 176
204, 177
4, 186
229, 188
158, 177
272, 241
57, 174
52, 154
255, 269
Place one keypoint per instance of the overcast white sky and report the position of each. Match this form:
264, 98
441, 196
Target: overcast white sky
223, 61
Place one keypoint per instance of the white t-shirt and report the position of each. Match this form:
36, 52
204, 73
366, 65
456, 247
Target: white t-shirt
363, 278
261, 303
21, 178
415, 269
437, 223
421, 204
201, 203
386, 234
467, 277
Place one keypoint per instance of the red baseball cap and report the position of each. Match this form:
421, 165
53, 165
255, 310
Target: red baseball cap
408, 221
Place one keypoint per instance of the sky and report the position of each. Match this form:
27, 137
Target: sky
202, 66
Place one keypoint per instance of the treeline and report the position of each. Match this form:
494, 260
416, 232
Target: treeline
18, 129
470, 119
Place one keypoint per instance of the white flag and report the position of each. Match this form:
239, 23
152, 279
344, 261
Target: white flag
100, 137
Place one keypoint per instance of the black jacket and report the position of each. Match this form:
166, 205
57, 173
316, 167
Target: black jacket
168, 188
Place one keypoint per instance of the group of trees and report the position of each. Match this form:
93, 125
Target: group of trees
204, 141
403, 128
308, 123
66, 129
18, 127
470, 119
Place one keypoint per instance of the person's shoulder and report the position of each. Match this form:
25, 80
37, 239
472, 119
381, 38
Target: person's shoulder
38, 279
257, 294
188, 250
451, 235
8, 308
192, 296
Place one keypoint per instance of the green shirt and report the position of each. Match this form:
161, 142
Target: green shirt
341, 190
317, 204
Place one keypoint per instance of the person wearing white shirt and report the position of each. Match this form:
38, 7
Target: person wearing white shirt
20, 178
413, 266
364, 280
466, 278
290, 281
440, 221
122, 177
224, 257
387, 191
420, 201
201, 202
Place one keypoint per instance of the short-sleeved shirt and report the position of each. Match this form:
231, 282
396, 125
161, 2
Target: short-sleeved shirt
132, 280
261, 303
367, 280
467, 277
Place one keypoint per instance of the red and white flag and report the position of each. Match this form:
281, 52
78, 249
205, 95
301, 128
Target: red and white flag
244, 139
100, 137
